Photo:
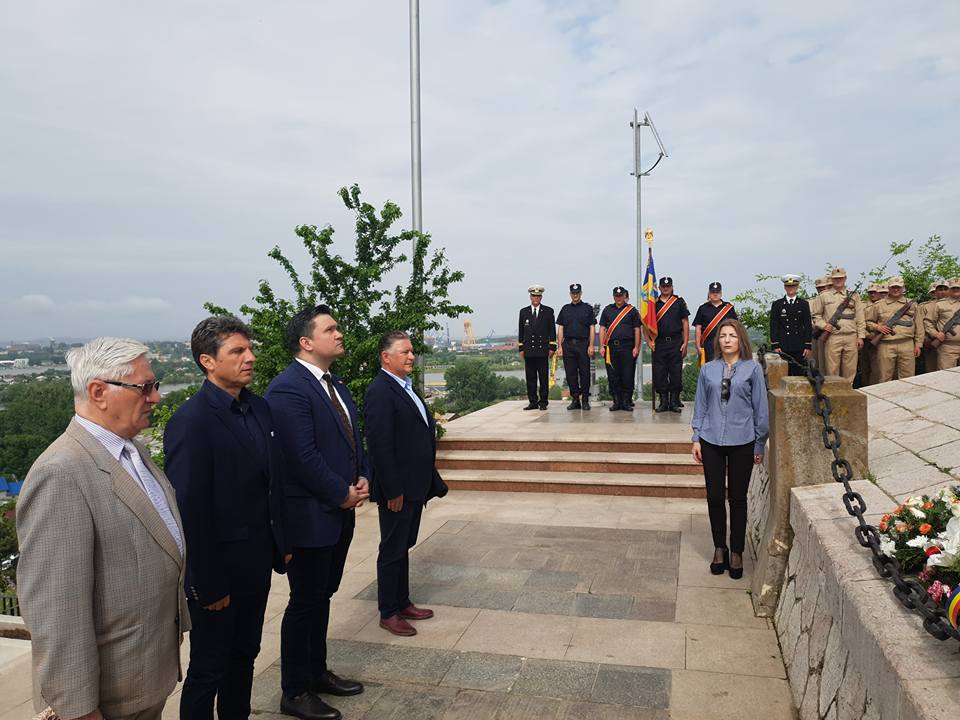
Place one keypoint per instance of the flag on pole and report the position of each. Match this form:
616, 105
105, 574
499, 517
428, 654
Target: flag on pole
648, 297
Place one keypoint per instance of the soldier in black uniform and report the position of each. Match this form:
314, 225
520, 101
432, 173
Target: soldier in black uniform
576, 323
705, 316
537, 342
669, 347
619, 346
791, 327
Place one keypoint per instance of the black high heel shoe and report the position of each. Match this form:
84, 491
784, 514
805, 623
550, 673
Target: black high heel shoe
717, 568
737, 573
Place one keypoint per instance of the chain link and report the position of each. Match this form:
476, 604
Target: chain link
911, 594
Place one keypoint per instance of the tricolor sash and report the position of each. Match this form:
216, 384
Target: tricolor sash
710, 328
666, 306
613, 326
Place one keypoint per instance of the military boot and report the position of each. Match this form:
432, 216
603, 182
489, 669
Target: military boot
585, 402
615, 405
664, 403
574, 403
626, 402
675, 404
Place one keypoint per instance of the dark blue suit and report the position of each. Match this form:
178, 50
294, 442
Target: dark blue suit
323, 463
403, 450
223, 457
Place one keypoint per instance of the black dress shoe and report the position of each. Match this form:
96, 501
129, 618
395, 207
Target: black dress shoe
308, 707
333, 684
736, 573
717, 568
542, 406
585, 403
531, 406
574, 403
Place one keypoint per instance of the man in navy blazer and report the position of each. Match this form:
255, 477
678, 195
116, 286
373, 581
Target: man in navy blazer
224, 459
327, 479
402, 442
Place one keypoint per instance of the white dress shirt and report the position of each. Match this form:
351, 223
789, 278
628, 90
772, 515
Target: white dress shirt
407, 384
318, 373
126, 453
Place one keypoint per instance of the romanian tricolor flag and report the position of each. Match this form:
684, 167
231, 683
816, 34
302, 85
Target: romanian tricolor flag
648, 297
953, 608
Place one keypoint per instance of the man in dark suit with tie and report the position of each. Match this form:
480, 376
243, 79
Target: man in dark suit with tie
791, 327
402, 441
537, 342
224, 460
327, 479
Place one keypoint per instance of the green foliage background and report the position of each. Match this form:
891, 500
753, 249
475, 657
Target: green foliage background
355, 290
933, 261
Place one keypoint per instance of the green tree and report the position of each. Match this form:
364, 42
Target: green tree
362, 303
8, 547
933, 262
32, 415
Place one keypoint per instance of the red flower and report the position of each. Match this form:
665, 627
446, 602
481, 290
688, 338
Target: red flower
932, 550
882, 526
925, 528
927, 505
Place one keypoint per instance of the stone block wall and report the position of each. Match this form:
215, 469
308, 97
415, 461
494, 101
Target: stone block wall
852, 652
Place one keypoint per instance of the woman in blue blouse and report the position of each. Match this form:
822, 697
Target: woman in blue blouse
730, 425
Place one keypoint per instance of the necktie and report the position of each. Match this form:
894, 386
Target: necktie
153, 490
344, 420
534, 314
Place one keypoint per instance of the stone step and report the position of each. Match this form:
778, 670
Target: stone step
568, 461
637, 484
561, 444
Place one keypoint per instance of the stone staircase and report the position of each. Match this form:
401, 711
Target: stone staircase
567, 465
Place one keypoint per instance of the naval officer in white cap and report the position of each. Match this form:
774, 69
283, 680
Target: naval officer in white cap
537, 342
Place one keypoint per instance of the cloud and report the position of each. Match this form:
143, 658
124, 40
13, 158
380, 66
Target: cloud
35, 303
170, 146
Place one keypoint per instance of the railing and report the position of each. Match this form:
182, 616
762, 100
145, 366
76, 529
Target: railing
9, 604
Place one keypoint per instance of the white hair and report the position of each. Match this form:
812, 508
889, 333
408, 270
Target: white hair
103, 358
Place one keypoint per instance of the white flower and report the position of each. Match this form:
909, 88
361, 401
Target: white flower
913, 502
888, 547
918, 513
918, 542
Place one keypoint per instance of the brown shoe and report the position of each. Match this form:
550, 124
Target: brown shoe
398, 626
412, 612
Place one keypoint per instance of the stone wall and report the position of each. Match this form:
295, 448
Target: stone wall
852, 652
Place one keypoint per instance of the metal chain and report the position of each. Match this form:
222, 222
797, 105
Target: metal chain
911, 594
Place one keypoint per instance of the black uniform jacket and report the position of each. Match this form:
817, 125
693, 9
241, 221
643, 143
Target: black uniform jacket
536, 338
790, 324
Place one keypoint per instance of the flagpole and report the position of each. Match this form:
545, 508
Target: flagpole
639, 296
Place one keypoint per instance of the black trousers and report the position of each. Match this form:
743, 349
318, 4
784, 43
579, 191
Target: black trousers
668, 365
314, 574
537, 369
795, 368
223, 645
398, 533
576, 366
727, 470
621, 368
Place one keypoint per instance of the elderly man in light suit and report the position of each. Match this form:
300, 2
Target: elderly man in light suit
101, 570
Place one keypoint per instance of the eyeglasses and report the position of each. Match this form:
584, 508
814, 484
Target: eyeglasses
145, 388
725, 389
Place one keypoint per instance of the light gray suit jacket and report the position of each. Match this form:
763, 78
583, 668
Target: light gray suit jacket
100, 582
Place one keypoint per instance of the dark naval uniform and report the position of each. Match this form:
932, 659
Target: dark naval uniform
577, 319
536, 339
791, 331
622, 363
705, 315
668, 353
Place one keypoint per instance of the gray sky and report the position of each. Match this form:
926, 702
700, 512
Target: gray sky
152, 153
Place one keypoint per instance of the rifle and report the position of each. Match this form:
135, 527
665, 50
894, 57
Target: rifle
950, 327
835, 318
895, 319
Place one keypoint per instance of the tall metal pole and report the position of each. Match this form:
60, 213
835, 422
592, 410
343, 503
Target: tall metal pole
415, 114
415, 179
639, 175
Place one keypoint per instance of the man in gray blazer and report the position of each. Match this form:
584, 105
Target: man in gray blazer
100, 578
